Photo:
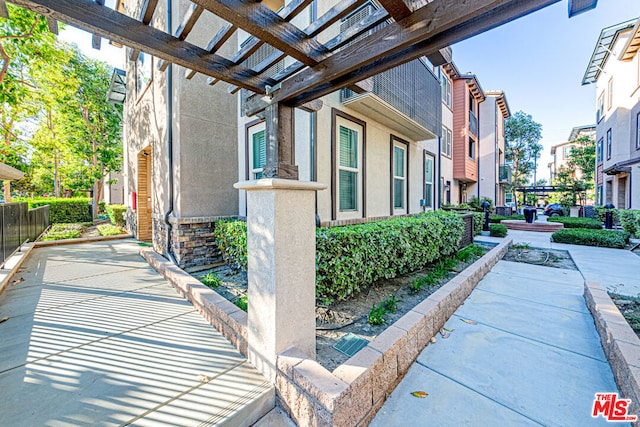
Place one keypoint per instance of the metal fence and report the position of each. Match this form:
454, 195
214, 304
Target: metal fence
19, 224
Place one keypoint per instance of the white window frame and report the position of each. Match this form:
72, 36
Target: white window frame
400, 145
144, 74
253, 130
357, 212
429, 181
609, 142
446, 143
610, 93
446, 87
600, 108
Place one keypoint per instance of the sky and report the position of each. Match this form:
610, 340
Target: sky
538, 61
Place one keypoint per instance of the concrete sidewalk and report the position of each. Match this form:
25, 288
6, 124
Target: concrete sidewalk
96, 337
533, 357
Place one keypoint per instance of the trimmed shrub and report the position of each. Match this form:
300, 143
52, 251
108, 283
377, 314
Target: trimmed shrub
116, 213
478, 222
570, 222
630, 221
109, 230
63, 210
476, 203
601, 212
495, 219
583, 236
231, 238
63, 231
497, 230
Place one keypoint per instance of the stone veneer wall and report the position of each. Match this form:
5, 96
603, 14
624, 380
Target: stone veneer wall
131, 222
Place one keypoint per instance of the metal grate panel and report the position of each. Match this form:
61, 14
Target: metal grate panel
350, 344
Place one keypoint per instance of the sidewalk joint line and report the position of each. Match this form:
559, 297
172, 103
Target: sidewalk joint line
535, 302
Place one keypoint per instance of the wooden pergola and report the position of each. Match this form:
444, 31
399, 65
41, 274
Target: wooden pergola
414, 28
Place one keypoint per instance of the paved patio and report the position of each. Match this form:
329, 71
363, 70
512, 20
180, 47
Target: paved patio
96, 337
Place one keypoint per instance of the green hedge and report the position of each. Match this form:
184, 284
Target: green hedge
601, 212
63, 210
478, 222
630, 221
116, 213
495, 219
582, 236
570, 222
350, 258
497, 230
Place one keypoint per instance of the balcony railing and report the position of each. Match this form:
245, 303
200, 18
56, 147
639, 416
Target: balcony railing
504, 174
413, 90
473, 123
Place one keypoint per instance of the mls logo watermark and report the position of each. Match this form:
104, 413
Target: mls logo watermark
612, 408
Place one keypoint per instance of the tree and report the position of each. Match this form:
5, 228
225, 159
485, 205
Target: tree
522, 135
576, 180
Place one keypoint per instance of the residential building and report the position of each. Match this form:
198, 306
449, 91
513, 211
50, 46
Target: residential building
560, 153
495, 174
614, 67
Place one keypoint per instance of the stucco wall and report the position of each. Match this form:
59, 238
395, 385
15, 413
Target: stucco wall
487, 167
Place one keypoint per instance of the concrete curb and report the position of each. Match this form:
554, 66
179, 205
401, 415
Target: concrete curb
353, 393
227, 318
82, 240
14, 263
621, 345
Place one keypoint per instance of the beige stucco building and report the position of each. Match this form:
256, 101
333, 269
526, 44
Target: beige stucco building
495, 175
614, 67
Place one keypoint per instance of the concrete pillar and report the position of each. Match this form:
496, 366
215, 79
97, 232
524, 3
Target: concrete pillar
281, 268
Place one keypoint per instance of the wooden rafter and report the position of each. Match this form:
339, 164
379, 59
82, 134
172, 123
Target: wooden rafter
4, 12
215, 44
398, 9
146, 14
190, 18
269, 27
91, 17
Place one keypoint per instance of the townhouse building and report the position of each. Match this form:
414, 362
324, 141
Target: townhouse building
495, 173
560, 153
614, 68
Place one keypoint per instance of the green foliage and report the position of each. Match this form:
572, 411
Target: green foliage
64, 231
242, 303
351, 258
571, 222
391, 304
630, 221
582, 236
116, 213
62, 210
497, 230
471, 251
376, 315
231, 238
497, 218
601, 212
576, 180
522, 138
521, 245
109, 230
211, 280
476, 203
478, 222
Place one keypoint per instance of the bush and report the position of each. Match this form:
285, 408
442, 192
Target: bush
570, 222
109, 230
476, 203
478, 222
231, 238
116, 213
583, 236
61, 210
630, 221
495, 219
601, 212
497, 230
63, 231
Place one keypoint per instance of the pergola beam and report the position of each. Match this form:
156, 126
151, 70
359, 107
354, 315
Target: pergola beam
91, 17
4, 12
398, 9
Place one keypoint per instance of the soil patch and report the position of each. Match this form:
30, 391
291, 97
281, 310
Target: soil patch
630, 309
351, 316
545, 257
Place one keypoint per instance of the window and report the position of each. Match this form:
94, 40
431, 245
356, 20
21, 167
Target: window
610, 94
599, 149
472, 149
399, 175
638, 131
428, 181
445, 84
257, 147
144, 73
508, 199
599, 195
608, 144
566, 152
445, 143
348, 169
600, 110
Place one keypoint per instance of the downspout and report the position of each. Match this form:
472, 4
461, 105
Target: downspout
169, 146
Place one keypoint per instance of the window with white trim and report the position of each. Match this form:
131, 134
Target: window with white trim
428, 181
610, 94
348, 168
144, 73
609, 144
446, 85
600, 109
445, 144
399, 176
257, 151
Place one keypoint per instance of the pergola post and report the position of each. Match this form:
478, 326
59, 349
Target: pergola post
280, 251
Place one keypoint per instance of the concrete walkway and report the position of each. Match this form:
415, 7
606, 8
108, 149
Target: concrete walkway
95, 337
533, 358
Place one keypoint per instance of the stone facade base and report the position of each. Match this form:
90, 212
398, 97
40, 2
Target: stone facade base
131, 222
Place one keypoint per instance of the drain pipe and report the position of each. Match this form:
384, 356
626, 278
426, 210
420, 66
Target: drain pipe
169, 74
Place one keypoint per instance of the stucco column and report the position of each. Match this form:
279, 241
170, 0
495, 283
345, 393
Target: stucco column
281, 248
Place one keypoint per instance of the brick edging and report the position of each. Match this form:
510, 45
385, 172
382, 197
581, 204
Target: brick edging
81, 240
353, 393
227, 318
621, 345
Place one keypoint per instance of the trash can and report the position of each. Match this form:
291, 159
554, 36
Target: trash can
608, 216
529, 215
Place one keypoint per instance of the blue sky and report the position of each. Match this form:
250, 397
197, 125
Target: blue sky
538, 60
